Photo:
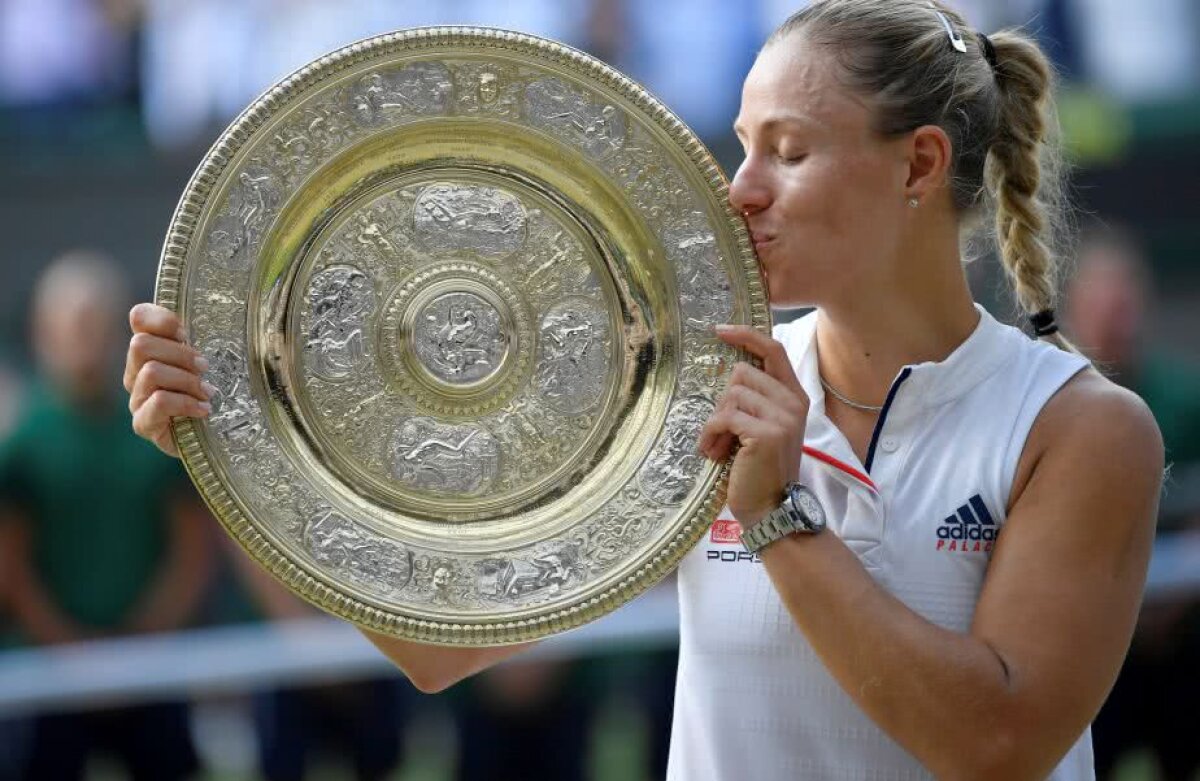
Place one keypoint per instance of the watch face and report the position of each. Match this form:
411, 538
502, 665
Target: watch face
807, 503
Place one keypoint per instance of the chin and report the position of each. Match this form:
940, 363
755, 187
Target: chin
784, 296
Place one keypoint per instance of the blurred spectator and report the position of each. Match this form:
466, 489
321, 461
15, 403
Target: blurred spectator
105, 534
362, 721
10, 391
1108, 303
64, 51
12, 731
646, 679
525, 720
1154, 700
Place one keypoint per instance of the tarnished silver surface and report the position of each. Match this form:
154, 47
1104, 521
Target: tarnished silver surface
457, 289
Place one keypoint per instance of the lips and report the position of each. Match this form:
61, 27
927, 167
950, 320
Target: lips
760, 239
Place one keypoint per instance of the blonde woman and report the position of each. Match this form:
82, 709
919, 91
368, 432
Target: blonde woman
938, 527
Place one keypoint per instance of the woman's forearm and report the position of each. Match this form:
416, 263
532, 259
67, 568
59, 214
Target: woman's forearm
432, 668
945, 696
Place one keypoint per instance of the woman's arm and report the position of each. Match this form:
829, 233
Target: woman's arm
1007, 699
432, 668
1054, 619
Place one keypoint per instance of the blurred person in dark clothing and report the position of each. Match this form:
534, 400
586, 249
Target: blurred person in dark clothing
364, 719
524, 720
12, 730
1108, 301
106, 536
10, 392
1154, 700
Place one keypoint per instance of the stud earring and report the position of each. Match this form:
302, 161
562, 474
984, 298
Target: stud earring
913, 202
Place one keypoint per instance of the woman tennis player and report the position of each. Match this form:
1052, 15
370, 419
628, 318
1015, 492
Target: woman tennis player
938, 528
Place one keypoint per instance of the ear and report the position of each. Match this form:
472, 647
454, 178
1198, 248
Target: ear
930, 154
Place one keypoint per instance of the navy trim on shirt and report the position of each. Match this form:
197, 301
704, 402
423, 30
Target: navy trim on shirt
883, 415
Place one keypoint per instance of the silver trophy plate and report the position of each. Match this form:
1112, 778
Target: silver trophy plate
457, 288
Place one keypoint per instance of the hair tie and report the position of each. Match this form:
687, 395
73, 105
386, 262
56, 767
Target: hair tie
1043, 323
989, 50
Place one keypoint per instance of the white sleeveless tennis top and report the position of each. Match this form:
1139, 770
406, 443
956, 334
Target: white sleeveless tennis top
752, 700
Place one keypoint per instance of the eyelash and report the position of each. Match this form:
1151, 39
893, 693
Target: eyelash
792, 160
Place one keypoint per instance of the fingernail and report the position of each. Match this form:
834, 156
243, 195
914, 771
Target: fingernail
723, 328
181, 335
201, 364
209, 389
205, 407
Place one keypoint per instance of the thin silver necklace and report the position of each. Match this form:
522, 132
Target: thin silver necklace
847, 402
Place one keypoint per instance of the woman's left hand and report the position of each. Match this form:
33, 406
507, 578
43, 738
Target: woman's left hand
766, 411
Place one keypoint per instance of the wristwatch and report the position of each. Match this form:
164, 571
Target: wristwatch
799, 512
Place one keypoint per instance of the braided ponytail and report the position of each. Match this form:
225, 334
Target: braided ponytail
1023, 175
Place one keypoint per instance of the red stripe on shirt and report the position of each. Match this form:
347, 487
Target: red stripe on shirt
842, 465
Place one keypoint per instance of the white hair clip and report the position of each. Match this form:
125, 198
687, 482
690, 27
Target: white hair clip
955, 39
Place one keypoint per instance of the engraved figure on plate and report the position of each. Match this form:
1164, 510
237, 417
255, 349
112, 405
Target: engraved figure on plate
708, 364
439, 457
552, 105
554, 264
309, 137
459, 339
670, 473
547, 572
525, 423
646, 172
340, 300
441, 580
613, 533
364, 557
705, 292
239, 228
574, 347
486, 89
235, 414
419, 89
457, 217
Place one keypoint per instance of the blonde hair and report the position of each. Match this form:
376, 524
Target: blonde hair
1001, 122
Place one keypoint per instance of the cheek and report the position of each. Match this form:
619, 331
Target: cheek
863, 200
837, 201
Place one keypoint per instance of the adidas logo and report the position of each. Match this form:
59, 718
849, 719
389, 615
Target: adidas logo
971, 528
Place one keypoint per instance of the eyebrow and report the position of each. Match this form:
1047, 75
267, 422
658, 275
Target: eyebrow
778, 119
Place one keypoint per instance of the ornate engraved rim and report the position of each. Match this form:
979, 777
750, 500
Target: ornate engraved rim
171, 274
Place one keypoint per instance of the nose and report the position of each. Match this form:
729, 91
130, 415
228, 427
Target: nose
748, 192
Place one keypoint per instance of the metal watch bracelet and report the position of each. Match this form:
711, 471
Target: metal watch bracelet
775, 525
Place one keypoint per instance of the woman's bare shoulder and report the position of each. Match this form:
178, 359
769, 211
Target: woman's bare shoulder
1092, 418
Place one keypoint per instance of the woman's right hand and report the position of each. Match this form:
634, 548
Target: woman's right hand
162, 375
